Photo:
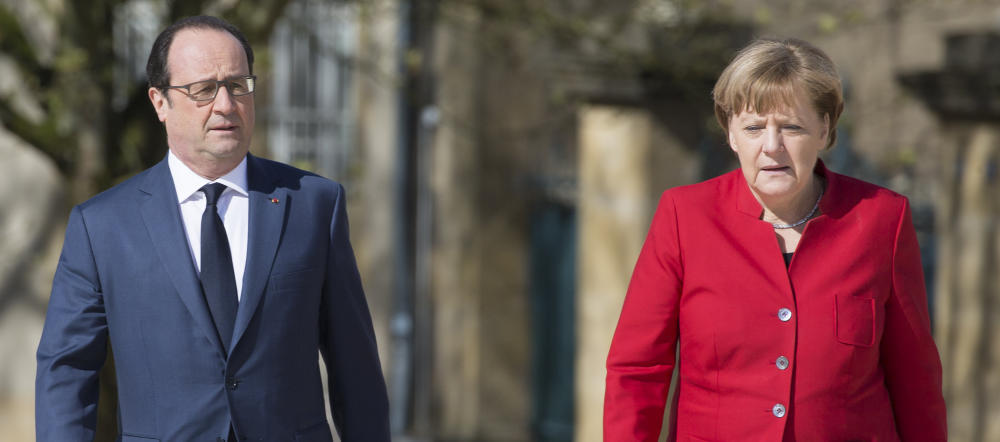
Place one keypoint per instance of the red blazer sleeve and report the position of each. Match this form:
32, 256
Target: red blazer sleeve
641, 359
909, 356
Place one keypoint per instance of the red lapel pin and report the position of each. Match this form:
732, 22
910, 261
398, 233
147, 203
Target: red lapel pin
274, 200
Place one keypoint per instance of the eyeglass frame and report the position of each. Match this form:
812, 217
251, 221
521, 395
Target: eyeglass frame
186, 88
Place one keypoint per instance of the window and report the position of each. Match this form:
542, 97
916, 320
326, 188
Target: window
310, 118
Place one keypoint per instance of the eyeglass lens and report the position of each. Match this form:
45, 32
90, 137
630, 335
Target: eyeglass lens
206, 90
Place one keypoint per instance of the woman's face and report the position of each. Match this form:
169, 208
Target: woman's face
778, 150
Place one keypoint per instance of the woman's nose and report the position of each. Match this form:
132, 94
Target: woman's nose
772, 141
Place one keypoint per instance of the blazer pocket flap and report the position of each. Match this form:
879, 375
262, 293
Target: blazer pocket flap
295, 280
855, 318
133, 438
318, 432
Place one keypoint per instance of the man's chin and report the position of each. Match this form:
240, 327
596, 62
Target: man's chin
224, 151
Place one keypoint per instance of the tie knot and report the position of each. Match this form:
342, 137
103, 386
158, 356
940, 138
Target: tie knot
212, 192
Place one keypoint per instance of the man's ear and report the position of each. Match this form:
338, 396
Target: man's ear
160, 103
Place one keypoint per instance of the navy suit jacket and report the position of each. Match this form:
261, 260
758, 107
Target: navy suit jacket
126, 274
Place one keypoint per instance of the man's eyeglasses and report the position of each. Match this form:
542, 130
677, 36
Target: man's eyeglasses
206, 90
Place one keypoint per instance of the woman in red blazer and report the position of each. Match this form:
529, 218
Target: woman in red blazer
795, 294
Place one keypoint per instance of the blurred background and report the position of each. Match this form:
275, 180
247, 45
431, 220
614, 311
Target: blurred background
503, 159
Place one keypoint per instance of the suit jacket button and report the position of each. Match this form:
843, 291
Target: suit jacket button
778, 410
782, 363
784, 314
232, 383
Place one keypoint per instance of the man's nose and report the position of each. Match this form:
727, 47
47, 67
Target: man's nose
224, 101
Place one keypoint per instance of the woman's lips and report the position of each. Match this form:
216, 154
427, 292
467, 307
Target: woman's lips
774, 168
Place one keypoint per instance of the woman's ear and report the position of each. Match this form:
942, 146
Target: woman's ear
730, 135
826, 128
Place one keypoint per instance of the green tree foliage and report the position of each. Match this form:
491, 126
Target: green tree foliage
94, 143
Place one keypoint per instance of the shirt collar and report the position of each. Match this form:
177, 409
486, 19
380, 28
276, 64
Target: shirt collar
187, 182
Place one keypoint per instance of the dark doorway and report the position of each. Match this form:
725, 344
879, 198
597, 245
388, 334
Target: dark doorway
553, 305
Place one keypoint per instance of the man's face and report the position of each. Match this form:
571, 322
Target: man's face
211, 137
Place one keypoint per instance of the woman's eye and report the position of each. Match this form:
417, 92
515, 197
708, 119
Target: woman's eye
753, 128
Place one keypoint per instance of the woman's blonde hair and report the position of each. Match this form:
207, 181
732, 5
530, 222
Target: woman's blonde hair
767, 74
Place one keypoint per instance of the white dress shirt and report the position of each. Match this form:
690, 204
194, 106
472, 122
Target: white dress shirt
233, 206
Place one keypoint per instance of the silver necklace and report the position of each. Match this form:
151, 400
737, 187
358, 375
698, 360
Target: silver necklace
804, 219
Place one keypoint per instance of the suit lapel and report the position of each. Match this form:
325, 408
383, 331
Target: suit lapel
158, 205
267, 206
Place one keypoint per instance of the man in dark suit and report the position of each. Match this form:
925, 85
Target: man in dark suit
216, 275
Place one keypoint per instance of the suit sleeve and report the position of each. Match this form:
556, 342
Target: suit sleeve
73, 344
641, 359
358, 397
909, 356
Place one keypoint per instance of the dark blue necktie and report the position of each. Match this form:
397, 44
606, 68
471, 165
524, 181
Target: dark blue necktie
217, 277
